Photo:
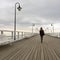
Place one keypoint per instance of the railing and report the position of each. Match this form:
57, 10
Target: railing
55, 34
10, 34
7, 36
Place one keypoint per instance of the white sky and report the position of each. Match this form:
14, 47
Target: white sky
33, 11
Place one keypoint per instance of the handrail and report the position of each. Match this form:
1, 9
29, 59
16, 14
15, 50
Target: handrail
13, 31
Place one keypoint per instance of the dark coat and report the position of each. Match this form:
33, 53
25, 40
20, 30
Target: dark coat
42, 33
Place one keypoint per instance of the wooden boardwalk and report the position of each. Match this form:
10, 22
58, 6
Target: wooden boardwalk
32, 49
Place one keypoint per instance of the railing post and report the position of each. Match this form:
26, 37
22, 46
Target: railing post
18, 34
58, 34
22, 34
1, 32
12, 34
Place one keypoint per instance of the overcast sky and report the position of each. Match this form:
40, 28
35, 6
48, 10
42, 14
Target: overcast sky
33, 11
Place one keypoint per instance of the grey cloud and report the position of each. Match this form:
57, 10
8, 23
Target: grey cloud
37, 11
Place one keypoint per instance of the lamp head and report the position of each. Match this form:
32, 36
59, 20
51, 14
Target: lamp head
19, 8
51, 24
33, 24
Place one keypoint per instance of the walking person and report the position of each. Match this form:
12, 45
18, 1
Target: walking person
41, 34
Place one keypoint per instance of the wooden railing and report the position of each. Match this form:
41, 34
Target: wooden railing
12, 33
18, 34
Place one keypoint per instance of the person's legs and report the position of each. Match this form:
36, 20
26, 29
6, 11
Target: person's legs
41, 39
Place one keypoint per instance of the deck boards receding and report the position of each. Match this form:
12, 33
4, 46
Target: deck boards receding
32, 49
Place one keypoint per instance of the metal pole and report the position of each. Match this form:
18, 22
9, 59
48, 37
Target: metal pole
19, 8
15, 24
53, 28
32, 28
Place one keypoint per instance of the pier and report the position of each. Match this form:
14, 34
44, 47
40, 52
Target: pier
32, 49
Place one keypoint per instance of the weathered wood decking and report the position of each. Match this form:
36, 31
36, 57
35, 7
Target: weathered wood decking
32, 49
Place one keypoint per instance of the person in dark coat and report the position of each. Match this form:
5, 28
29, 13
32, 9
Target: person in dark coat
41, 34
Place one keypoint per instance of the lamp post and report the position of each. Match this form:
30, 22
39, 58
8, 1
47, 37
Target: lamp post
53, 27
19, 8
32, 27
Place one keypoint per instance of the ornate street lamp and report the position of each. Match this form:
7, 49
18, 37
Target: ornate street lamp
19, 9
53, 27
32, 26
